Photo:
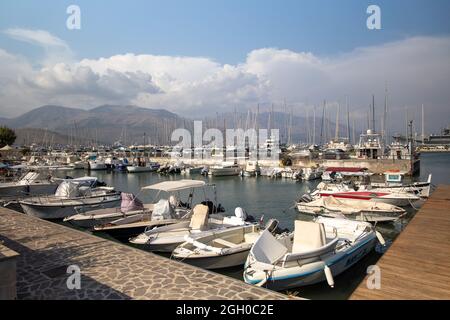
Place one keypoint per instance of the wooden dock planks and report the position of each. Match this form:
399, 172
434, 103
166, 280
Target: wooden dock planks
417, 265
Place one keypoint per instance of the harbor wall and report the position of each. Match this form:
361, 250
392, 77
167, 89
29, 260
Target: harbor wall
377, 166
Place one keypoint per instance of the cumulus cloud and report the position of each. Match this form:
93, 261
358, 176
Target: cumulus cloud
415, 70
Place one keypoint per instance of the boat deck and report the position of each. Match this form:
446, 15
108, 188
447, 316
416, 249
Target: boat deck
417, 265
109, 270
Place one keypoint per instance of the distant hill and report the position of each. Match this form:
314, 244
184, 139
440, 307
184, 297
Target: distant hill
107, 123
28, 136
127, 124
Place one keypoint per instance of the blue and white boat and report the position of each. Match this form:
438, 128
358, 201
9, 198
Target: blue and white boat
316, 251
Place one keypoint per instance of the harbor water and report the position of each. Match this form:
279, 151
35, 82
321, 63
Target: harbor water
274, 198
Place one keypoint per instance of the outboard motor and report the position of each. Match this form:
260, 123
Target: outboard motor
240, 213
272, 225
305, 198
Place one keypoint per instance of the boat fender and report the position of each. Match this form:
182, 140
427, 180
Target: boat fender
329, 276
380, 238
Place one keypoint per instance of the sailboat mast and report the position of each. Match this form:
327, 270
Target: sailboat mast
348, 121
373, 113
336, 132
423, 125
314, 125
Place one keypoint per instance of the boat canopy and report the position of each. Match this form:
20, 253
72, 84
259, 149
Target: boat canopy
177, 185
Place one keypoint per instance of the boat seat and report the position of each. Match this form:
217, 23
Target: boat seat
225, 243
149, 206
251, 237
199, 219
308, 236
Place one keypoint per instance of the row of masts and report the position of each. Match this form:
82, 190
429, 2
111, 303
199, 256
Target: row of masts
315, 131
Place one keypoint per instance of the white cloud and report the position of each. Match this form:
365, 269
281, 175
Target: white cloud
56, 49
39, 37
416, 70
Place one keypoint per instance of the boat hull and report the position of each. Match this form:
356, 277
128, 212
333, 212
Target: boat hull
363, 215
219, 261
223, 172
50, 212
28, 190
312, 273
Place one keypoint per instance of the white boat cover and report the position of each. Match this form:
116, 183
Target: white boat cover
67, 189
162, 210
177, 185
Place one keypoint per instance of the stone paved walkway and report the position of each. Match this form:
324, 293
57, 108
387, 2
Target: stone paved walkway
109, 270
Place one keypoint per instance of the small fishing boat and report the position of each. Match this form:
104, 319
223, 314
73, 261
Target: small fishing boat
193, 170
164, 212
400, 199
309, 174
97, 164
251, 169
394, 181
143, 167
225, 169
31, 183
316, 251
331, 173
169, 191
362, 210
223, 249
71, 197
167, 238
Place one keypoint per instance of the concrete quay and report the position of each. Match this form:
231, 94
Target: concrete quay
109, 270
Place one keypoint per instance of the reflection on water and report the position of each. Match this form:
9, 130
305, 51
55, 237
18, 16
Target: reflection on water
274, 198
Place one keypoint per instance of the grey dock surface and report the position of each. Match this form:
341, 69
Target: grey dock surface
417, 265
109, 270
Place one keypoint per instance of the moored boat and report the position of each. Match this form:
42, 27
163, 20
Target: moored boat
71, 197
315, 252
362, 210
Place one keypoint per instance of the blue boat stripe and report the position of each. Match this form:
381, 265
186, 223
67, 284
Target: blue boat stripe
310, 272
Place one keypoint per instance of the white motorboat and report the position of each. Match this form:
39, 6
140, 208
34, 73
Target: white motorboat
223, 249
309, 174
71, 197
167, 238
331, 173
226, 169
316, 251
394, 182
170, 191
143, 167
193, 170
362, 210
400, 199
97, 164
251, 169
395, 197
290, 173
31, 183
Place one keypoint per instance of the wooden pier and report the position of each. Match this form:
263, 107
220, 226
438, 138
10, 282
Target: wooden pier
108, 270
417, 265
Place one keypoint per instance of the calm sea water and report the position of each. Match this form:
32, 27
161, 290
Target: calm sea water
274, 198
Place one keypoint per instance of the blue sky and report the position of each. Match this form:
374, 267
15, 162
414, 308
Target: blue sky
225, 30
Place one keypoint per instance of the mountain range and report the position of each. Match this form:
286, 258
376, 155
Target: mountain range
107, 124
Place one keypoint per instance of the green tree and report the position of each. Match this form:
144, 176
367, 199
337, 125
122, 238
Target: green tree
7, 136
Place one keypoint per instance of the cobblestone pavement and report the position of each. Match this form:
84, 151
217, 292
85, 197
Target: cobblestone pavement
109, 270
